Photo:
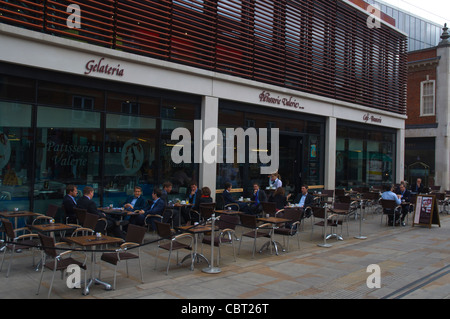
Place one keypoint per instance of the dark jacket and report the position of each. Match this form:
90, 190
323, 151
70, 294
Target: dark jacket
259, 197
141, 203
227, 198
309, 200
156, 208
194, 199
416, 189
68, 205
279, 200
86, 203
202, 200
406, 196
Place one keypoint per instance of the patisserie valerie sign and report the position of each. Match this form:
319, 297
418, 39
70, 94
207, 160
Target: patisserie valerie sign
288, 101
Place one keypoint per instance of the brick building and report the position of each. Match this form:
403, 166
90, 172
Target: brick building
427, 132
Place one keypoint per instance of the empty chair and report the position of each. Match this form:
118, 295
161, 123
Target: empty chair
134, 238
292, 228
319, 213
80, 213
90, 221
59, 263
170, 242
225, 235
23, 242
269, 208
52, 210
257, 231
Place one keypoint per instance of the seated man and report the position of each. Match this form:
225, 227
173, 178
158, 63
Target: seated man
304, 199
405, 197
171, 213
258, 197
157, 208
389, 194
86, 202
228, 199
136, 201
69, 203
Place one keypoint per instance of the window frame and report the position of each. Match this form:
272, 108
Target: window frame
422, 96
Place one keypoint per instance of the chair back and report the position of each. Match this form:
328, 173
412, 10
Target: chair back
213, 205
9, 229
328, 192
440, 196
388, 204
344, 199
163, 229
293, 214
227, 221
269, 208
248, 220
318, 212
339, 192
135, 234
342, 205
48, 245
80, 213
206, 210
52, 210
90, 221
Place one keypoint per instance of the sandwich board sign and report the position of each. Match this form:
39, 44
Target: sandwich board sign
426, 212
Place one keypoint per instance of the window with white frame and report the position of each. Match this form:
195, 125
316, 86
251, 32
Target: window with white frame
427, 98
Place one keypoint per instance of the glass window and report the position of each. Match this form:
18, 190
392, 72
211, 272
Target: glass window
427, 98
16, 138
68, 152
17, 89
130, 157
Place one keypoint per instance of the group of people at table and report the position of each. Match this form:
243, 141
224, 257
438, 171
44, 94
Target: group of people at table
141, 212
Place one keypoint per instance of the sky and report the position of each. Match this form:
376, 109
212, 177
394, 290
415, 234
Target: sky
434, 10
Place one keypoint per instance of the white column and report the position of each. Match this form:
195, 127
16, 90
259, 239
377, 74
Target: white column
330, 153
210, 116
400, 156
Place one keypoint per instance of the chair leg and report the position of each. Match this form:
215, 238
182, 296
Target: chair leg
11, 257
42, 275
168, 262
140, 267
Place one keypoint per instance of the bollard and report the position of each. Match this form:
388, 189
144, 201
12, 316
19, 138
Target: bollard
211, 269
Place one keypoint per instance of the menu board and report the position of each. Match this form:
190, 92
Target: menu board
426, 212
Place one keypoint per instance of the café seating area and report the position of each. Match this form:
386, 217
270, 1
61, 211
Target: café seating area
220, 230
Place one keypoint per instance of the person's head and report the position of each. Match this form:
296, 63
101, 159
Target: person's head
167, 187
402, 187
388, 187
156, 193
227, 185
255, 187
206, 191
304, 189
194, 187
279, 191
273, 177
88, 191
72, 190
137, 191
419, 181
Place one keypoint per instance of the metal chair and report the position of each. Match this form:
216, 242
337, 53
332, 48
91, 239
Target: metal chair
171, 242
269, 208
390, 208
22, 242
226, 235
292, 228
59, 263
134, 238
257, 231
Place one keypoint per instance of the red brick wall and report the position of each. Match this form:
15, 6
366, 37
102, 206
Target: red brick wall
415, 76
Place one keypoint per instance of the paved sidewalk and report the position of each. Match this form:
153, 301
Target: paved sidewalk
414, 263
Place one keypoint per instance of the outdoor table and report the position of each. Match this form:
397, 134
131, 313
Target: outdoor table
118, 212
16, 215
179, 206
196, 230
92, 241
274, 221
227, 212
47, 228
337, 211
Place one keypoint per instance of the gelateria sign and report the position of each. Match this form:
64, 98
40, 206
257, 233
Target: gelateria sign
288, 101
102, 66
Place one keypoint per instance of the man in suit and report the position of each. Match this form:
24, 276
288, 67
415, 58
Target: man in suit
156, 208
258, 197
228, 199
170, 213
87, 203
69, 202
136, 201
417, 187
405, 197
305, 199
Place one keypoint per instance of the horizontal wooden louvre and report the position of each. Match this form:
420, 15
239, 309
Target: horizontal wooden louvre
321, 47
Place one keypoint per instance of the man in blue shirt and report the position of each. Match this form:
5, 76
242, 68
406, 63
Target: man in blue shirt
136, 202
304, 199
156, 208
390, 195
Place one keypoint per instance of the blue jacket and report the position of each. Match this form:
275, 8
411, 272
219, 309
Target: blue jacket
141, 203
157, 207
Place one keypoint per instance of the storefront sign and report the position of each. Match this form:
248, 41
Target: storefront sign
286, 101
368, 117
92, 66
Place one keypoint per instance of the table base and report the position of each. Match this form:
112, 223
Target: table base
273, 243
97, 282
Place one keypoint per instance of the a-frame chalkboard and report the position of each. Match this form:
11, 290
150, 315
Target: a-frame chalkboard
426, 212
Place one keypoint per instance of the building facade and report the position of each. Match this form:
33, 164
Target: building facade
90, 95
427, 136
